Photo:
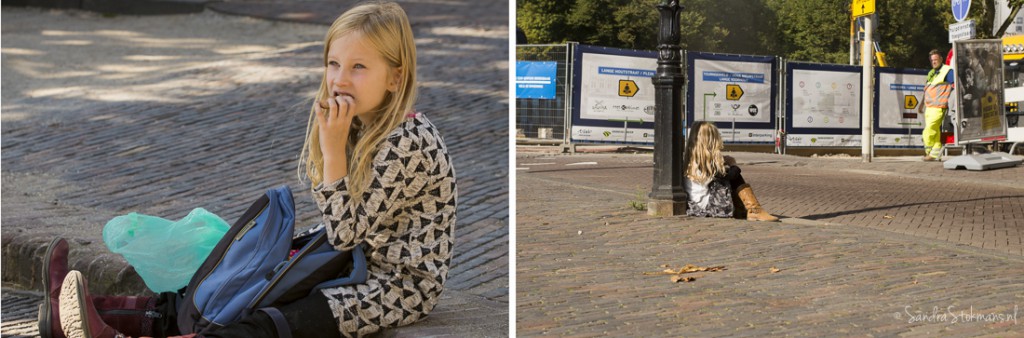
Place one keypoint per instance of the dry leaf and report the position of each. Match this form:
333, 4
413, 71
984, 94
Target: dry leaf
888, 217
677, 279
774, 269
685, 269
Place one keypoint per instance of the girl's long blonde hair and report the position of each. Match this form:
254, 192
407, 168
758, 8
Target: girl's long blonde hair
385, 26
704, 152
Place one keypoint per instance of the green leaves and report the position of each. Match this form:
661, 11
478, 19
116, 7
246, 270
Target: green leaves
802, 30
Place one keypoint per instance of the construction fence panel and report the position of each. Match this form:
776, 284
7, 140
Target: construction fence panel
542, 92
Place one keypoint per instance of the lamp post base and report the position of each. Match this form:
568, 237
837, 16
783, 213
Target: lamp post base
665, 208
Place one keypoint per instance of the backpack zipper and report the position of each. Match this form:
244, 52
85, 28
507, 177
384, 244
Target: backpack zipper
249, 225
314, 243
245, 229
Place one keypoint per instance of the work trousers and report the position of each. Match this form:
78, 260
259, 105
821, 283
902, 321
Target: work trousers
932, 124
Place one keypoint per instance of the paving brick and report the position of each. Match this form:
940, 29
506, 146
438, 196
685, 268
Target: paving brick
848, 273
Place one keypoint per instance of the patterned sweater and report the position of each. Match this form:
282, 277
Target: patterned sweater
407, 220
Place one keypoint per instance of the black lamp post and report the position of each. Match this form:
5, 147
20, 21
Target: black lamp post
668, 197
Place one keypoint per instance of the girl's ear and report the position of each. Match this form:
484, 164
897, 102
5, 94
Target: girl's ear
395, 79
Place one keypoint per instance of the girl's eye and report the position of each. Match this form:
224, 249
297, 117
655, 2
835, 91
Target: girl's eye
332, 63
359, 66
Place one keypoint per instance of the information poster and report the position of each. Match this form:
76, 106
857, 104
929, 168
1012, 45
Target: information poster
613, 95
898, 123
732, 91
979, 82
737, 92
826, 99
536, 79
823, 107
616, 87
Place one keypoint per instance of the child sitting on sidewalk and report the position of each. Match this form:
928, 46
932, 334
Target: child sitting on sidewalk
713, 181
381, 176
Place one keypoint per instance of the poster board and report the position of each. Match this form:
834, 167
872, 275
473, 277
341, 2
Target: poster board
823, 108
900, 92
979, 91
736, 92
536, 79
613, 95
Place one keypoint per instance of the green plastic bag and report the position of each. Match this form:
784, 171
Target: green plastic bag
165, 254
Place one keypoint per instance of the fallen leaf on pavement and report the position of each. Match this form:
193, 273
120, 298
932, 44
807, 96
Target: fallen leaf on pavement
685, 269
888, 217
677, 279
774, 269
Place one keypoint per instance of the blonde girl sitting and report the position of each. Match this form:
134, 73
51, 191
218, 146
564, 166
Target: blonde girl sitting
381, 176
713, 182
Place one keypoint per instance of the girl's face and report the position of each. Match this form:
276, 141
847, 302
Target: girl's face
357, 70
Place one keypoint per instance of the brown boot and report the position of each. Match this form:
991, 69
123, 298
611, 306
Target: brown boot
754, 210
79, 318
131, 315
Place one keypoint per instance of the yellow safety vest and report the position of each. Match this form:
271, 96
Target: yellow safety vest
937, 90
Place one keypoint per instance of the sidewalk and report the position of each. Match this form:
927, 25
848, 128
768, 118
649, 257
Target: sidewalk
835, 265
162, 114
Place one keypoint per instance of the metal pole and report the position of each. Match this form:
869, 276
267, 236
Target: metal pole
866, 143
567, 111
668, 197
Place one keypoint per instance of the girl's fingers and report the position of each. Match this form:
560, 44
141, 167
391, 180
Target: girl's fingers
349, 101
345, 106
342, 105
320, 112
333, 112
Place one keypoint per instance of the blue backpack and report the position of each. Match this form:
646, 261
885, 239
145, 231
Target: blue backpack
250, 268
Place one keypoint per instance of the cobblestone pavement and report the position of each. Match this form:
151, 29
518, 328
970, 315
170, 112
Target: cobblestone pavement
221, 127
843, 268
900, 194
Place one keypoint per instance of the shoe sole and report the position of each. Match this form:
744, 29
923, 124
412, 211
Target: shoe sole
44, 320
45, 316
73, 317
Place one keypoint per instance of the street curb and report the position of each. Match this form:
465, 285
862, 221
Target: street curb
458, 314
107, 273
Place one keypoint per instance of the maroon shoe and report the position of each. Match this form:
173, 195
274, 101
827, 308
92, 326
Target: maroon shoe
55, 267
79, 318
131, 315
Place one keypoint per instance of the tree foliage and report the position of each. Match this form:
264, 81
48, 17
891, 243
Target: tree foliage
803, 30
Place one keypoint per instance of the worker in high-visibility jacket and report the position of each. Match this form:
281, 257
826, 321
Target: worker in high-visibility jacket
937, 90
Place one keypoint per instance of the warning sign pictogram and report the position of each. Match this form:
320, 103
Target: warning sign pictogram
909, 101
627, 88
733, 92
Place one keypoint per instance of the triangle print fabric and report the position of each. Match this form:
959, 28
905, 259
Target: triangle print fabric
406, 217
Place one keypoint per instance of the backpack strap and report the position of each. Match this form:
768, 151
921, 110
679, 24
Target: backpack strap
283, 330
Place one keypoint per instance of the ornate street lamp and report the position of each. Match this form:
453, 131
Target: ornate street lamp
668, 197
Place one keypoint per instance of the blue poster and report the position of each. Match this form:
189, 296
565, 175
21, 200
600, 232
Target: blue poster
536, 79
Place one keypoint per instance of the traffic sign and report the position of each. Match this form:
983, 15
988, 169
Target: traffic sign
862, 7
733, 92
627, 88
909, 101
960, 9
964, 30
